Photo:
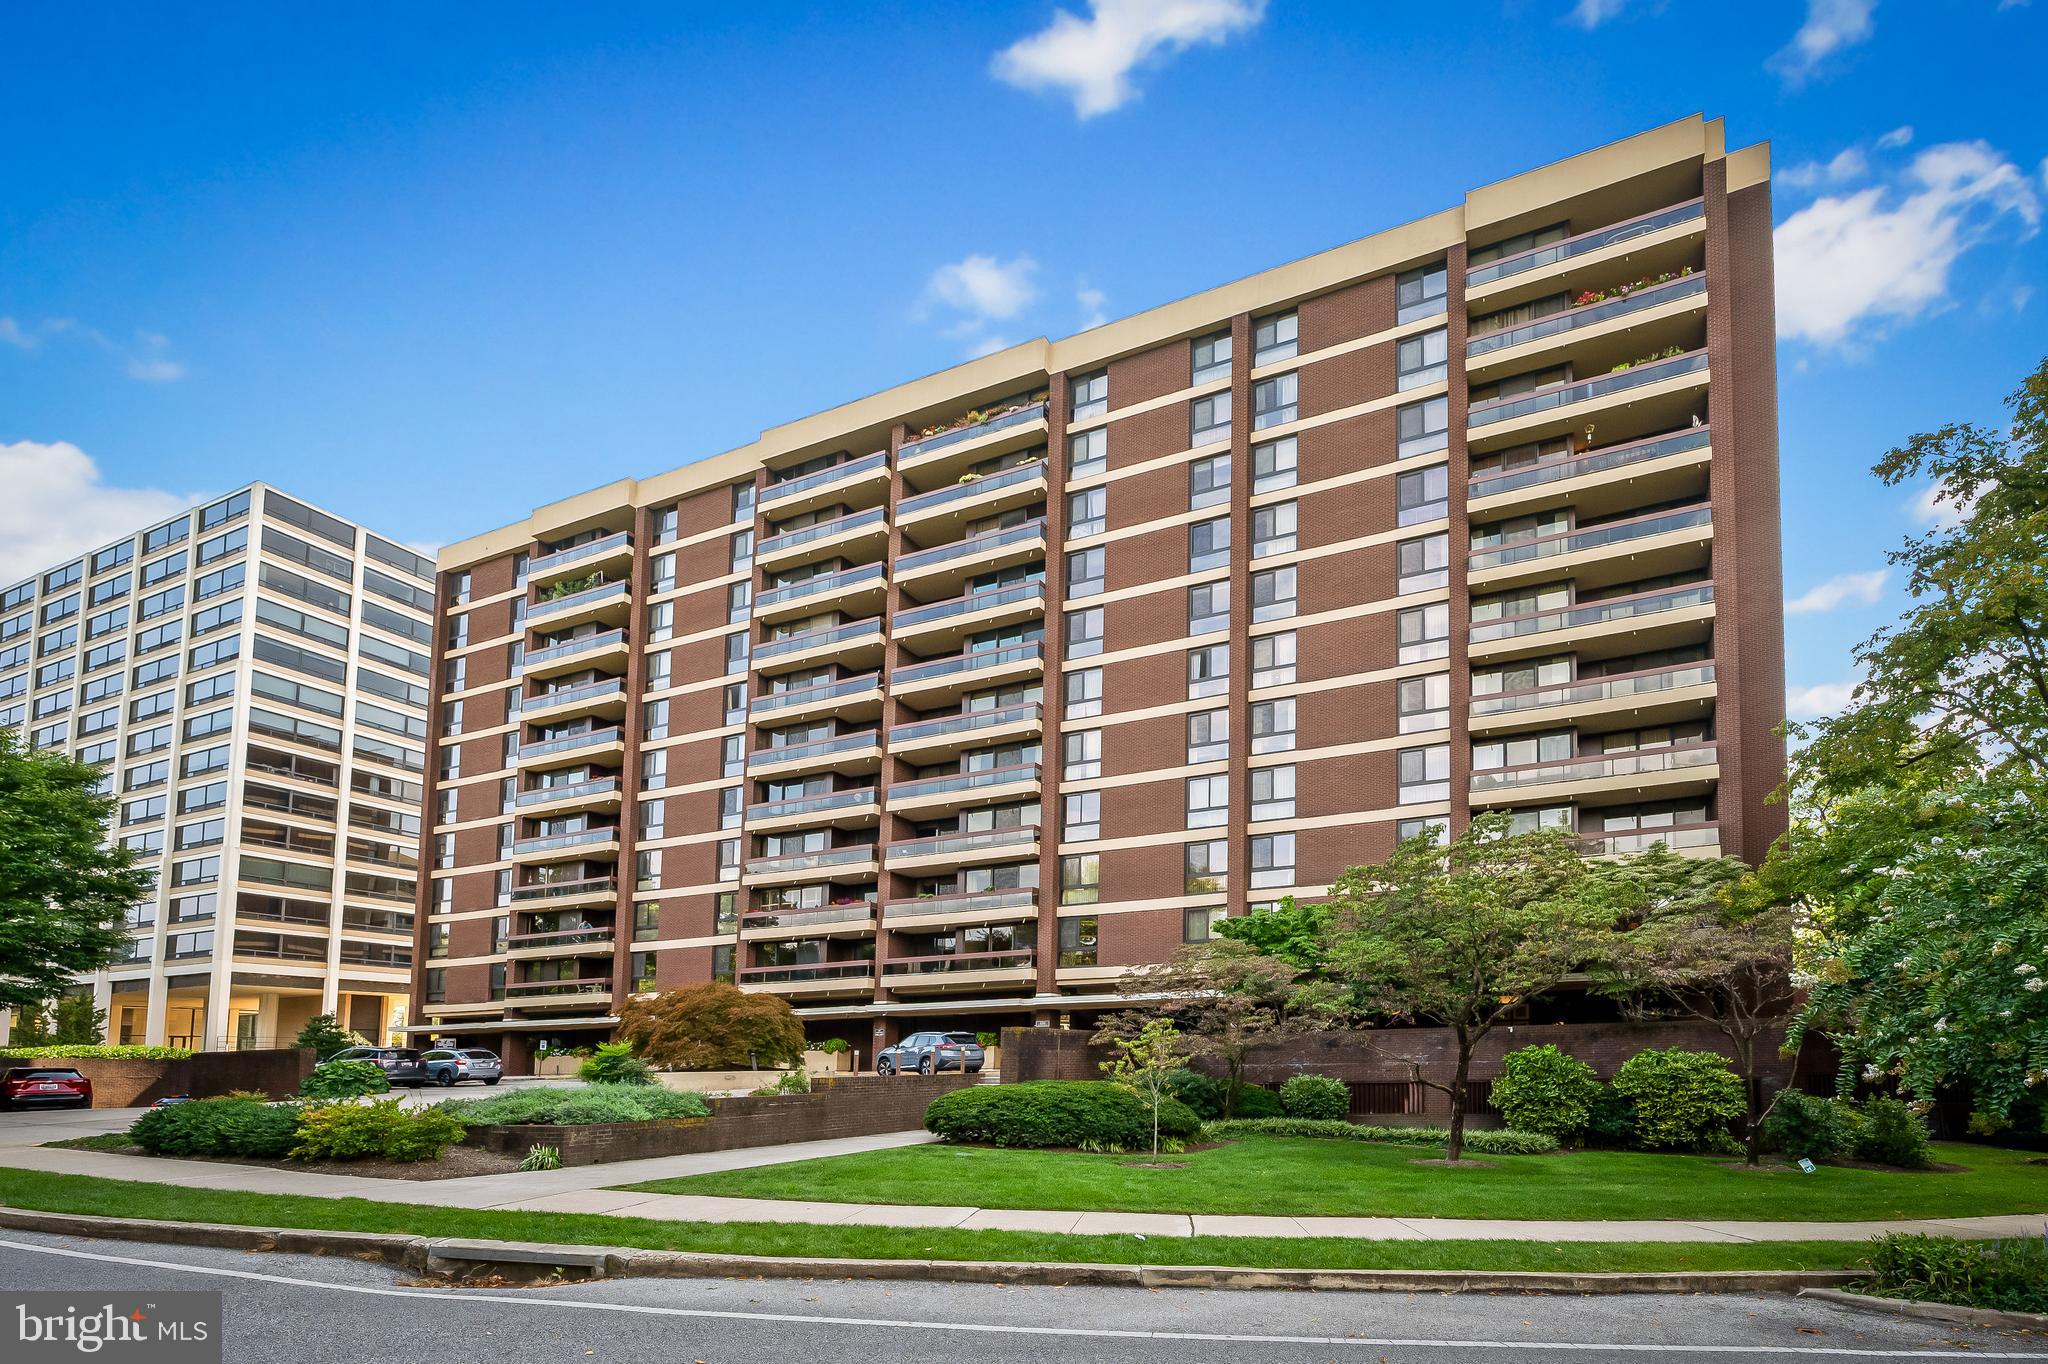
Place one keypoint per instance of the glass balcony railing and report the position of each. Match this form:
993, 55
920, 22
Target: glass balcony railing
1029, 533
963, 782
568, 790
979, 660
1564, 395
806, 696
1590, 462
576, 696
1023, 474
918, 449
808, 972
966, 722
589, 596
989, 600
948, 845
822, 584
822, 530
1620, 686
963, 902
1585, 242
821, 748
592, 936
1595, 613
582, 838
825, 478
608, 639
1640, 763
1573, 542
1592, 314
825, 803
569, 743
1673, 836
562, 890
589, 985
812, 861
954, 963
589, 549
861, 913
812, 639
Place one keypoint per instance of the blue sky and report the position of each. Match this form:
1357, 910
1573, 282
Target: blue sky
434, 265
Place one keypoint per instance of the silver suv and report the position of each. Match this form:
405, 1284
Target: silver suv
928, 1053
451, 1066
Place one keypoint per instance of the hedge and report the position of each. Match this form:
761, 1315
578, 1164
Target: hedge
1317, 1097
1041, 1113
578, 1106
1542, 1089
218, 1127
1484, 1141
81, 1052
381, 1128
1684, 1100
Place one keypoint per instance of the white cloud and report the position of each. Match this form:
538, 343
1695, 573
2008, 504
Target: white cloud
1091, 59
57, 507
1593, 13
151, 362
1830, 26
1901, 136
1824, 698
11, 333
1936, 512
1847, 264
148, 359
983, 287
1093, 306
1861, 589
1848, 164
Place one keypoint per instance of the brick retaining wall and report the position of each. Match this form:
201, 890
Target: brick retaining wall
131, 1083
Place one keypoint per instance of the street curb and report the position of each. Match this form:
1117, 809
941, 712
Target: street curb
1949, 1313
422, 1253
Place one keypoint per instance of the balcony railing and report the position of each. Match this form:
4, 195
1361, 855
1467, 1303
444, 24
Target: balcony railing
957, 962
548, 563
1595, 613
966, 722
826, 803
1673, 836
1573, 542
1674, 759
589, 596
988, 599
804, 535
947, 845
974, 487
979, 660
563, 890
1595, 240
582, 838
770, 702
608, 639
570, 696
964, 781
964, 902
812, 861
1562, 395
569, 743
821, 584
805, 918
917, 449
589, 985
568, 790
965, 549
812, 971
824, 478
1592, 314
818, 748
812, 639
567, 937
1590, 462
1619, 686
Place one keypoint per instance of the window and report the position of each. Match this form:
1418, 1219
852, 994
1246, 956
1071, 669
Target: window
1090, 394
1276, 400
1424, 563
1424, 427
1203, 865
661, 573
1275, 338
58, 579
1081, 694
1078, 936
1084, 632
722, 962
739, 601
647, 869
1208, 608
1437, 830
735, 703
1273, 593
742, 503
1209, 419
1425, 774
1087, 512
1208, 736
1272, 793
1081, 755
738, 647
111, 557
1081, 816
1208, 803
1273, 529
1424, 703
653, 818
1421, 293
742, 550
661, 621
1272, 860
1522, 750
732, 755
1208, 670
654, 769
1211, 358
1208, 482
732, 806
1209, 544
1084, 572
1422, 359
1199, 923
728, 854
1423, 494
653, 720
1273, 726
1424, 633
1087, 453
1080, 879
1273, 659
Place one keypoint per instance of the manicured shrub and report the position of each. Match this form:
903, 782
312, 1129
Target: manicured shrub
1684, 1100
1542, 1089
587, 1104
615, 1064
1610, 1119
1891, 1133
1202, 1095
218, 1127
85, 1052
1806, 1127
1315, 1096
344, 1080
1056, 1113
380, 1129
1485, 1141
1250, 1101
2006, 1276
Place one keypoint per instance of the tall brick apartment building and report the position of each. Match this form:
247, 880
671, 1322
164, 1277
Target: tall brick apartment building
944, 707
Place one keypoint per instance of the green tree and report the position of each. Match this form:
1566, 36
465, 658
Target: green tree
1226, 997
1147, 1051
63, 889
713, 1026
77, 1022
325, 1035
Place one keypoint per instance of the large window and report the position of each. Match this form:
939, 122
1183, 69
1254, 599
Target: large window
1276, 400
1425, 703
1208, 736
1421, 293
1424, 427
1080, 881
1273, 659
1422, 359
1208, 482
1208, 670
1424, 633
1211, 358
1272, 860
1084, 633
1084, 572
1209, 419
1272, 793
1087, 512
1424, 563
1274, 594
1273, 726
1081, 816
1273, 529
1425, 774
1087, 452
1208, 608
1081, 754
1209, 544
1273, 465
1090, 395
1423, 494
1275, 338
1208, 803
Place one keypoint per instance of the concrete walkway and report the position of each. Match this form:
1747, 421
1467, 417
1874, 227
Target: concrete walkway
597, 1189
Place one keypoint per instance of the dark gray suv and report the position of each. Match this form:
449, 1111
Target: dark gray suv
928, 1053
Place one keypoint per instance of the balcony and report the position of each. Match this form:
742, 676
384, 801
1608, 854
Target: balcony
971, 442
1636, 547
569, 942
833, 921
847, 753
945, 736
1644, 470
1656, 394
938, 517
849, 698
853, 809
964, 907
1651, 696
944, 795
605, 651
853, 590
1596, 335
607, 603
853, 645
1648, 243
816, 978
598, 793
946, 625
948, 678
1687, 840
595, 745
959, 971
558, 994
860, 482
833, 864
590, 890
606, 699
611, 555
861, 534
964, 849
602, 844
1652, 773
1641, 621
945, 571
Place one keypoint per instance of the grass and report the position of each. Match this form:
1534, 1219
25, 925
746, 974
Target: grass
99, 1141
90, 1195
1298, 1177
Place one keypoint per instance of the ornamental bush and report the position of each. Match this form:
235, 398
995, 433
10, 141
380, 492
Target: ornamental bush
615, 1064
1542, 1089
84, 1052
1891, 1133
218, 1127
381, 1128
2005, 1276
1684, 1100
1042, 1113
1315, 1097
1492, 1141
1202, 1095
574, 1107
1250, 1101
1610, 1119
344, 1080
1806, 1127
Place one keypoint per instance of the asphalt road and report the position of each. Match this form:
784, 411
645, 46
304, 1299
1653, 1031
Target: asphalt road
311, 1310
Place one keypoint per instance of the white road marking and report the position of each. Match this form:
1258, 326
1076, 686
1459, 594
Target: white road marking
443, 1296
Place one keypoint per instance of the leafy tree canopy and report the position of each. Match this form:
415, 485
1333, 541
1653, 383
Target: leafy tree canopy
713, 1026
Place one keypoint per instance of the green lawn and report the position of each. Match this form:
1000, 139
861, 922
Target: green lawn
1299, 1177
123, 1198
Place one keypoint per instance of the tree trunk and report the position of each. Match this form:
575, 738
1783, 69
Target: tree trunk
1752, 1094
1454, 1148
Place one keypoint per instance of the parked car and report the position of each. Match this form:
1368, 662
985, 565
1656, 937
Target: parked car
36, 1086
452, 1065
401, 1065
928, 1053
169, 1100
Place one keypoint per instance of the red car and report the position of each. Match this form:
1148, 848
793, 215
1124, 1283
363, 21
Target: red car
32, 1086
